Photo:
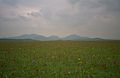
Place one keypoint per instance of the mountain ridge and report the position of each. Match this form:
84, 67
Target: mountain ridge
52, 37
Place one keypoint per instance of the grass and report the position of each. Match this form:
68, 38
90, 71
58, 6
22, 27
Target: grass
59, 59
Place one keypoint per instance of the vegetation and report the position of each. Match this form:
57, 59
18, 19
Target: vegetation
59, 59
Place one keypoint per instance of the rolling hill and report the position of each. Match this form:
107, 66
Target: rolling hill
49, 38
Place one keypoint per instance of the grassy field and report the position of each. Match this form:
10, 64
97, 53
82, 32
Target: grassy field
60, 59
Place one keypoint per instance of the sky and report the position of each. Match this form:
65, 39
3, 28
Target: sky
91, 18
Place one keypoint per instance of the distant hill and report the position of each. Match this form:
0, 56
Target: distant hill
72, 37
76, 37
53, 38
49, 38
29, 36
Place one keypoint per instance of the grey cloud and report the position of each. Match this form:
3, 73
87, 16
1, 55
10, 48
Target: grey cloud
73, 1
111, 6
12, 18
35, 14
7, 18
69, 16
22, 18
9, 2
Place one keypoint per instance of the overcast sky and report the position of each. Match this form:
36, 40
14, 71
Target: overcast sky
92, 18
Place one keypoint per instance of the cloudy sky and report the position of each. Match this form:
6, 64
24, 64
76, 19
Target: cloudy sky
92, 18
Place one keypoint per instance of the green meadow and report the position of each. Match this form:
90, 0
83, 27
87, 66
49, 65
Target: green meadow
59, 59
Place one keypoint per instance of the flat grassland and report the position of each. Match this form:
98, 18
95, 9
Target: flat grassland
59, 59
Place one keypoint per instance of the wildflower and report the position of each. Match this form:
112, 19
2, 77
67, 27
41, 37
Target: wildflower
108, 58
79, 59
53, 57
69, 72
93, 55
19, 48
11, 48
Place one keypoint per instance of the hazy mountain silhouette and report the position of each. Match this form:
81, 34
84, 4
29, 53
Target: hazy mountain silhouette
29, 36
73, 37
53, 37
77, 37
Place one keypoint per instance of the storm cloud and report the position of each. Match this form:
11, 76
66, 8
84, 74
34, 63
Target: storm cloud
92, 18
